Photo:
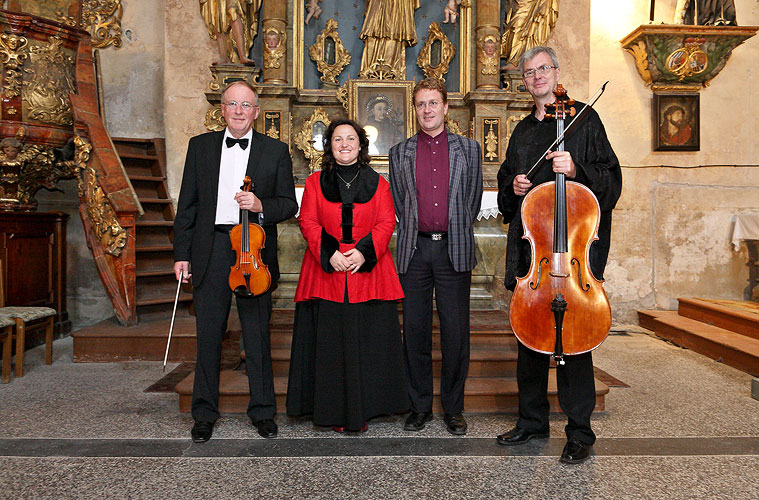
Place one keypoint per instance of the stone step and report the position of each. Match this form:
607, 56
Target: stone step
483, 394
726, 346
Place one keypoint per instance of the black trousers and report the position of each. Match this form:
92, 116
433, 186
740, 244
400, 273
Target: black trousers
577, 392
213, 300
431, 270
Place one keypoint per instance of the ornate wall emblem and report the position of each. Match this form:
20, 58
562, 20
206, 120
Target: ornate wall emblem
436, 54
488, 55
309, 137
105, 223
275, 44
45, 93
273, 123
329, 54
12, 56
453, 125
688, 60
492, 151
103, 19
214, 119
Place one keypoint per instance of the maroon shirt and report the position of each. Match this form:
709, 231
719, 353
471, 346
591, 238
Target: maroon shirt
432, 182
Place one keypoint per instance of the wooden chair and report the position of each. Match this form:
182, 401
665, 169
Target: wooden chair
6, 335
26, 319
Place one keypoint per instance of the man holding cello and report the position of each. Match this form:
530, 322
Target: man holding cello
209, 206
587, 159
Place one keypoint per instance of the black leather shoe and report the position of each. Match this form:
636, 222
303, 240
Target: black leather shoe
201, 432
575, 452
416, 421
266, 428
455, 423
518, 436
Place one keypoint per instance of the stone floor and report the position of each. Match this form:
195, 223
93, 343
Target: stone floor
686, 428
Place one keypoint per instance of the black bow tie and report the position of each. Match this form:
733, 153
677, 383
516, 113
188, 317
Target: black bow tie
231, 141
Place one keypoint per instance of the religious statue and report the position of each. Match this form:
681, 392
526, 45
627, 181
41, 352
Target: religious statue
388, 29
526, 24
234, 26
705, 12
313, 10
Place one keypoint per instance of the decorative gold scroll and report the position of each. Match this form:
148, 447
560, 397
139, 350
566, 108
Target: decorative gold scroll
103, 19
105, 223
305, 138
214, 119
12, 56
453, 125
273, 124
436, 54
492, 152
46, 93
319, 53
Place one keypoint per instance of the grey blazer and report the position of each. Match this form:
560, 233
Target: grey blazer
464, 198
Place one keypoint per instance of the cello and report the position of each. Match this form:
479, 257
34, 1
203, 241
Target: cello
559, 307
248, 276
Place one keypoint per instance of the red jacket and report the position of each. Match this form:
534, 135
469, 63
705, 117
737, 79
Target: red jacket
321, 224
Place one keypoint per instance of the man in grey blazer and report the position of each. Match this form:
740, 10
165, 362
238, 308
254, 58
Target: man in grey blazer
436, 181
209, 205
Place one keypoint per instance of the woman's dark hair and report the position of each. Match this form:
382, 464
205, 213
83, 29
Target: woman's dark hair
328, 160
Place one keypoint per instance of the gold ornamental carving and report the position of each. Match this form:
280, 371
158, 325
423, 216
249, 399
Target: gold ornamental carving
488, 55
453, 125
491, 139
527, 23
309, 137
101, 214
329, 53
12, 56
638, 51
46, 92
214, 120
103, 19
275, 44
689, 60
436, 54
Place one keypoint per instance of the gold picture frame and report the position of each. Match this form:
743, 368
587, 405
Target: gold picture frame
385, 110
329, 54
436, 54
307, 138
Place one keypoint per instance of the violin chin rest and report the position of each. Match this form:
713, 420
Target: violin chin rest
242, 291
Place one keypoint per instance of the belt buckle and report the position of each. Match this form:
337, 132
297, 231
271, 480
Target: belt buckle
436, 236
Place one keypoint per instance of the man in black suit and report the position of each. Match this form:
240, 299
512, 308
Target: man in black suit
209, 205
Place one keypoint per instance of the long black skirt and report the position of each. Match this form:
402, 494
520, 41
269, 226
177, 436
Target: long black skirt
346, 364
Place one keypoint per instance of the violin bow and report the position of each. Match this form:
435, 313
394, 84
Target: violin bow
560, 138
173, 316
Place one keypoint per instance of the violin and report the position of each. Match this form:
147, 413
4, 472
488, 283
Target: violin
248, 276
559, 307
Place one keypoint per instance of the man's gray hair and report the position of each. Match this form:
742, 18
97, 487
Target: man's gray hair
535, 51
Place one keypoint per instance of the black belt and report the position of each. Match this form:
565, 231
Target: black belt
223, 228
433, 236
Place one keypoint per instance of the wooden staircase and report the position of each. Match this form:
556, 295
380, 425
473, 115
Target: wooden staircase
490, 388
724, 331
144, 161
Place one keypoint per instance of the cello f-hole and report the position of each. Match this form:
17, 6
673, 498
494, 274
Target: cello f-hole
544, 260
584, 286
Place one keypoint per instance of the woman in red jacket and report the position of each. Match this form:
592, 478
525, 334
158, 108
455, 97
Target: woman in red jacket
347, 364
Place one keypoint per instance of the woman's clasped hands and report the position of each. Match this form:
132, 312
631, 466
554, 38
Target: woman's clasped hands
352, 260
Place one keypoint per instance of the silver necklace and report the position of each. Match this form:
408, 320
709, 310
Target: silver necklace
347, 184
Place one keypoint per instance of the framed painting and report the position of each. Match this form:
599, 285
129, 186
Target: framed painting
385, 110
676, 122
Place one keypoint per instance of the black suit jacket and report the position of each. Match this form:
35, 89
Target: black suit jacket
270, 168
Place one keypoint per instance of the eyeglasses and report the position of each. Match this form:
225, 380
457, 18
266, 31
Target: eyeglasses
245, 105
429, 104
542, 70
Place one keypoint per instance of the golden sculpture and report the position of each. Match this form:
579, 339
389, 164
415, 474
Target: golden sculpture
329, 54
638, 51
275, 42
688, 60
527, 23
234, 26
46, 93
309, 137
103, 19
388, 29
12, 57
436, 54
214, 119
491, 141
488, 55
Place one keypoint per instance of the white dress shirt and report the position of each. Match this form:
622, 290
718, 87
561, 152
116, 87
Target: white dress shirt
234, 163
